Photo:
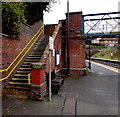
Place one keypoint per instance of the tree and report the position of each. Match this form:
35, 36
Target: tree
34, 11
12, 15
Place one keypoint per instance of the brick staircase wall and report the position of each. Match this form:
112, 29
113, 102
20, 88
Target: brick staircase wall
11, 47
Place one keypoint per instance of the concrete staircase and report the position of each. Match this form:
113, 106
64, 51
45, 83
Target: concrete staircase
18, 85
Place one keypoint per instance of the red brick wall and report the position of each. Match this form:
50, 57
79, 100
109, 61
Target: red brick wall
75, 20
77, 50
49, 29
77, 45
11, 48
77, 56
75, 24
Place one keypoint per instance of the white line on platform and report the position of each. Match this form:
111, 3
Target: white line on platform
107, 67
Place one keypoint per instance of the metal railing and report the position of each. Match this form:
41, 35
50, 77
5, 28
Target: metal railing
29, 78
34, 39
47, 49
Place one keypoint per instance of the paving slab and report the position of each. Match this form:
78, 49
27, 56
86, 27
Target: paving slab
70, 106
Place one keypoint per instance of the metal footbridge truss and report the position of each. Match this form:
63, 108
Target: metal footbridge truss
101, 25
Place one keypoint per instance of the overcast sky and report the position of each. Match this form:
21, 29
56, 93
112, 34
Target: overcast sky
86, 6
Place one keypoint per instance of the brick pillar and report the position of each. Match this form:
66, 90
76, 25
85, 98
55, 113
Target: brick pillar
38, 84
77, 44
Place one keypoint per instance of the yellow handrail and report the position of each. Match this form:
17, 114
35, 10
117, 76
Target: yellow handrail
21, 58
29, 78
22, 51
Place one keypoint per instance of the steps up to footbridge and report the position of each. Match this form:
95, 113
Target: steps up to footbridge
18, 86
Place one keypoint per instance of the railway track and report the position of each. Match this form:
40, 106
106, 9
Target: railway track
112, 63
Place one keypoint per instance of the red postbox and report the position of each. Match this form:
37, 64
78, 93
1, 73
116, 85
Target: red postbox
38, 73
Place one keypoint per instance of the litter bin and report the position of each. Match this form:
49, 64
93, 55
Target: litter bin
38, 73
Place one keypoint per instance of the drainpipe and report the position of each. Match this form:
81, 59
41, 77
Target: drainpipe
68, 39
89, 55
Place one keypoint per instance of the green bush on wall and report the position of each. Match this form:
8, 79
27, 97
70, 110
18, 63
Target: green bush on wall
12, 16
14, 13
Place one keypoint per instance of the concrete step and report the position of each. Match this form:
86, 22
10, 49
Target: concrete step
17, 93
26, 66
21, 75
33, 52
20, 80
33, 57
39, 47
27, 63
23, 72
38, 43
19, 84
41, 43
31, 60
40, 50
24, 69
17, 87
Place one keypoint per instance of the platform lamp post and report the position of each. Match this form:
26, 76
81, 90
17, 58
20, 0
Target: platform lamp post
68, 39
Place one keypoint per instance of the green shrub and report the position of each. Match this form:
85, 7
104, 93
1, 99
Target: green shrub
12, 15
106, 53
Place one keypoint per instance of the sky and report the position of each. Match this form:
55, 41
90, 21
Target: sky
86, 6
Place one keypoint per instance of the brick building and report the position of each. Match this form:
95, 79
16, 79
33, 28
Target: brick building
11, 47
37, 85
109, 41
77, 45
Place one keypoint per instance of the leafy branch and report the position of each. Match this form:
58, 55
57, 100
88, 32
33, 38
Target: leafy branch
13, 13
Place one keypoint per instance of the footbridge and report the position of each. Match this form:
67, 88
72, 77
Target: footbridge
101, 25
